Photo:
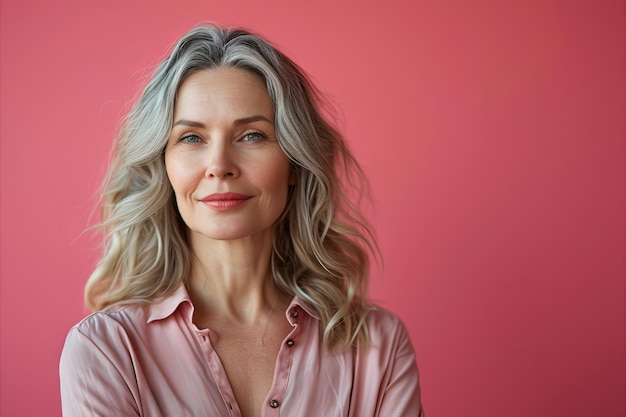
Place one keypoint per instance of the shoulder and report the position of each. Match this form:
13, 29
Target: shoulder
99, 352
380, 317
129, 325
384, 326
387, 337
102, 345
107, 328
386, 366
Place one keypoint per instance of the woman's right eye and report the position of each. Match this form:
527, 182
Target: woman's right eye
190, 139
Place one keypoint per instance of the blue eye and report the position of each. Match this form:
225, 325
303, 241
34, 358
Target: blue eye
253, 137
190, 139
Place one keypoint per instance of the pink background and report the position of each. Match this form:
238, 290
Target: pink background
493, 134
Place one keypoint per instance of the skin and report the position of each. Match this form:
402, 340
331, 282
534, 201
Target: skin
223, 140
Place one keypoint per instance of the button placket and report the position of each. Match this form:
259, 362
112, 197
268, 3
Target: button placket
284, 361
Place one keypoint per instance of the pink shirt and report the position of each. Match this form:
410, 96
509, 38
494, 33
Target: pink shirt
151, 360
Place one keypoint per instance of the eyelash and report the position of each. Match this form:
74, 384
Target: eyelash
184, 137
198, 139
261, 135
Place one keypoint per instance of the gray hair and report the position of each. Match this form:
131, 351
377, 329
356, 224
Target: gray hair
322, 243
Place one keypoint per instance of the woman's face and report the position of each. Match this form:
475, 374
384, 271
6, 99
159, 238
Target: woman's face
229, 175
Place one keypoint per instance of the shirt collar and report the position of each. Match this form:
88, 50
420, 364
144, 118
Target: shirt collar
166, 306
297, 302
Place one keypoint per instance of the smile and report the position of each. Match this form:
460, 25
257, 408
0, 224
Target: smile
224, 201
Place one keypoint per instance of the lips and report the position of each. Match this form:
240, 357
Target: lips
224, 201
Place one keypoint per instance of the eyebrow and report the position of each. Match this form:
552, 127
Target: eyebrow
238, 122
251, 119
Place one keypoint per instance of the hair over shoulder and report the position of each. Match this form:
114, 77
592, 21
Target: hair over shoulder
322, 243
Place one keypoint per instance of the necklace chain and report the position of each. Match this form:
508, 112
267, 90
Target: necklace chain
267, 320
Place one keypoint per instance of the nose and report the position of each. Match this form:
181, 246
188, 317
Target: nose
221, 162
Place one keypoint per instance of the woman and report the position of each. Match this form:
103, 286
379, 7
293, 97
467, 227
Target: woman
234, 272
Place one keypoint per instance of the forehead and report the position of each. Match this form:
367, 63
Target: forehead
222, 92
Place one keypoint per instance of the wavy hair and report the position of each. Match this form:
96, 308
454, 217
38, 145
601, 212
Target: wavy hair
322, 244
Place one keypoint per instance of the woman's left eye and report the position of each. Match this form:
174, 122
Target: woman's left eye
253, 137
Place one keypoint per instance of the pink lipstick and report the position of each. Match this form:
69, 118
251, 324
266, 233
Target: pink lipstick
224, 201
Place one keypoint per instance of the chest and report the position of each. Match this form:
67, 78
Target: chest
248, 358
249, 367
183, 371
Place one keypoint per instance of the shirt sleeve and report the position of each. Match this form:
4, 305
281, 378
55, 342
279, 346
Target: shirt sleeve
401, 396
93, 383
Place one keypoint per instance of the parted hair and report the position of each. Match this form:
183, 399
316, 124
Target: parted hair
322, 243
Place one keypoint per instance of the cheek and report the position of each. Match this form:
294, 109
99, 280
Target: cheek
180, 173
277, 174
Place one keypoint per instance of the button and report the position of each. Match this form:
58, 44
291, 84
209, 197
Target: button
294, 313
290, 343
274, 403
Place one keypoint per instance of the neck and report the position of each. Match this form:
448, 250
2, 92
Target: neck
232, 279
